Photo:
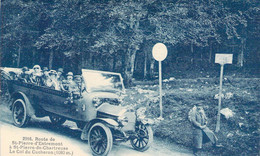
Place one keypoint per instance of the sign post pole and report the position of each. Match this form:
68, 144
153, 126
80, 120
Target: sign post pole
159, 54
160, 88
219, 98
221, 59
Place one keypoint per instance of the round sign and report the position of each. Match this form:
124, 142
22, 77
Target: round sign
159, 51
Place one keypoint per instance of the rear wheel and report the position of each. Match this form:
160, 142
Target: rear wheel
144, 138
57, 120
100, 139
19, 113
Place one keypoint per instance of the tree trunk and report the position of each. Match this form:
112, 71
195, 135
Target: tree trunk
145, 64
192, 52
136, 66
129, 67
152, 68
33, 59
82, 60
63, 61
87, 60
114, 63
132, 62
125, 63
241, 56
42, 58
19, 56
233, 45
50, 59
210, 51
91, 60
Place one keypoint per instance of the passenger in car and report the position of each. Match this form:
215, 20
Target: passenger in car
24, 76
45, 76
69, 84
60, 76
35, 76
52, 81
79, 81
13, 75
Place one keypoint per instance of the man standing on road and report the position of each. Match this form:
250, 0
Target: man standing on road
201, 133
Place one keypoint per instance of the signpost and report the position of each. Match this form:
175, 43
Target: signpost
221, 59
159, 54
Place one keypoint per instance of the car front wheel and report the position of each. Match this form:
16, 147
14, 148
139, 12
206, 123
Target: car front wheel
19, 113
143, 139
100, 139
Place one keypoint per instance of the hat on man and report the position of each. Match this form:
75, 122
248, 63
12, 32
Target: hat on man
36, 66
52, 72
60, 70
70, 74
77, 78
25, 69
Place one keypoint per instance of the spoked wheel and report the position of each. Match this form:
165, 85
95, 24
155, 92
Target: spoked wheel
144, 137
19, 113
100, 139
57, 120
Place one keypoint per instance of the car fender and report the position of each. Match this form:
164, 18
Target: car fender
29, 107
108, 122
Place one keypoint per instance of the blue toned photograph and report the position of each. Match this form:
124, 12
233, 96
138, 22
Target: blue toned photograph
129, 77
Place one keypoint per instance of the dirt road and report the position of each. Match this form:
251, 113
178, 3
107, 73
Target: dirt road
69, 136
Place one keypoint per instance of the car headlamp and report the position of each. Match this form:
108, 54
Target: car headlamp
96, 101
120, 100
123, 120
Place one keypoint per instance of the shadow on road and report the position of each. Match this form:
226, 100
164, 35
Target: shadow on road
68, 129
59, 129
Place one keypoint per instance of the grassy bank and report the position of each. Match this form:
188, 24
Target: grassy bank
239, 134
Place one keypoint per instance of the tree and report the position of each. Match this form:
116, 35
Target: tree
19, 28
124, 33
118, 35
64, 36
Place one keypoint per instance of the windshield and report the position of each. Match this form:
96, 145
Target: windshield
102, 81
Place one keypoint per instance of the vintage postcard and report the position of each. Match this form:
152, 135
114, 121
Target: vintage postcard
129, 77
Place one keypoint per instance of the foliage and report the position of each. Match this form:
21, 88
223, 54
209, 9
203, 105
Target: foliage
117, 35
239, 134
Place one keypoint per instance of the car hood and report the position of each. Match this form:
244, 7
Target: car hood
107, 109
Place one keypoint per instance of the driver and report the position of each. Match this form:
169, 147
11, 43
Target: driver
69, 84
79, 81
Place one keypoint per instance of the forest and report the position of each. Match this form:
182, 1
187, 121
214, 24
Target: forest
118, 35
